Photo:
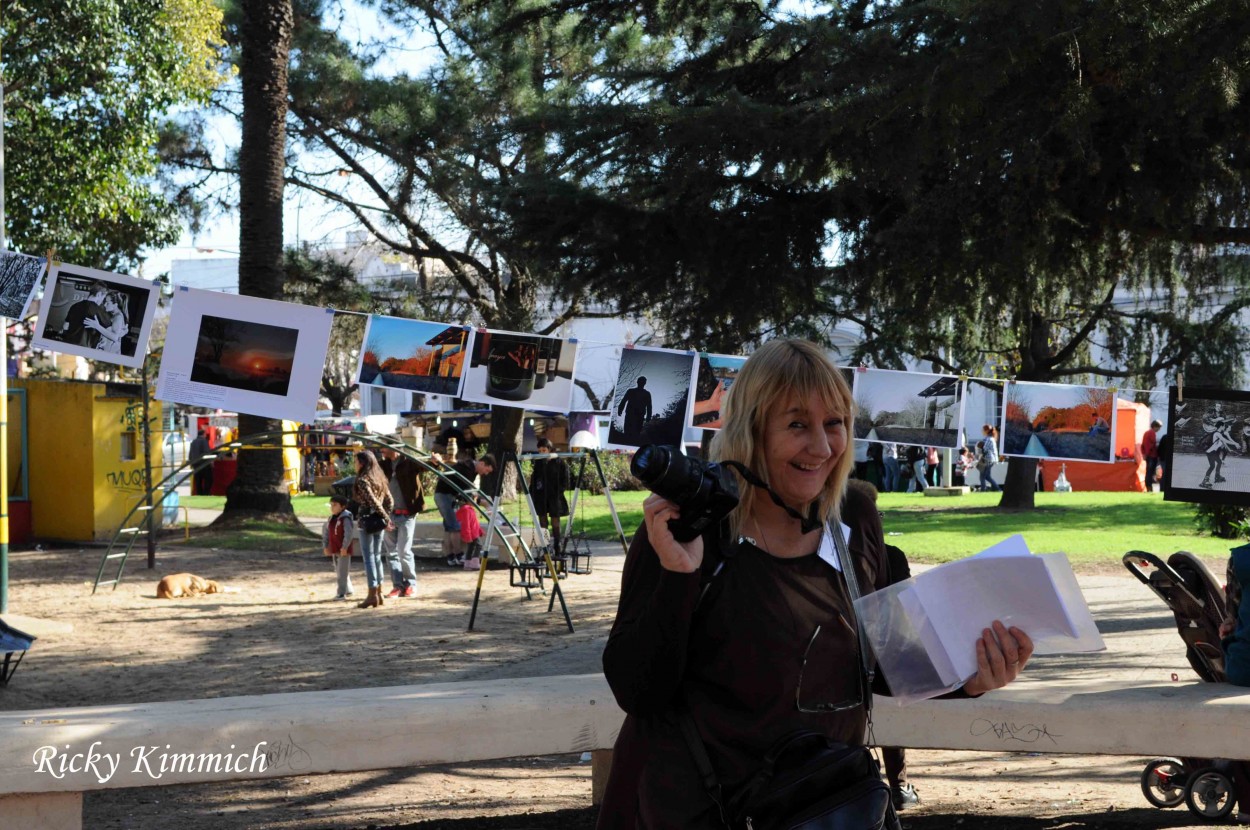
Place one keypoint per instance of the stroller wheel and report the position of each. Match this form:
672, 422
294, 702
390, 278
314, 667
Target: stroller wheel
1163, 782
1209, 793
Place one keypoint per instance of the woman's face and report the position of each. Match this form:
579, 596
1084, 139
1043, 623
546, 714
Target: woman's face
110, 305
803, 440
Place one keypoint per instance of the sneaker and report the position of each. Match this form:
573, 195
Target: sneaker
409, 592
904, 797
395, 592
451, 561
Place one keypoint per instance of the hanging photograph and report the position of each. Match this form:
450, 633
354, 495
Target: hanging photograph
908, 408
1208, 457
19, 279
259, 357
415, 355
716, 373
524, 370
650, 399
1051, 420
96, 314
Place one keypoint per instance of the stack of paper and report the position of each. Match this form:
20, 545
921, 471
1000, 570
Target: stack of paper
923, 631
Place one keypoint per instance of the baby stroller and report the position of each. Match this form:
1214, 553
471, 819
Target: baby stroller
1196, 600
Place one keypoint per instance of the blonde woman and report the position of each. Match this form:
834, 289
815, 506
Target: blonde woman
770, 647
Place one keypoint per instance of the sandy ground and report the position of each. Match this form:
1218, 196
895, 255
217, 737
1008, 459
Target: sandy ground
283, 631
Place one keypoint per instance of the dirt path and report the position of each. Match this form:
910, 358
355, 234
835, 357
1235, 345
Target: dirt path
283, 631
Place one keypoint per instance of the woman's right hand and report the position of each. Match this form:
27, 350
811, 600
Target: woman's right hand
682, 557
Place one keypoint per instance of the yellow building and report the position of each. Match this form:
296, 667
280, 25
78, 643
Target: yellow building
84, 448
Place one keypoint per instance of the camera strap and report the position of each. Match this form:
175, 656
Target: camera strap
809, 523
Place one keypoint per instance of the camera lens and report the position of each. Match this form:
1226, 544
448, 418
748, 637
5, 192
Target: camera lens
650, 464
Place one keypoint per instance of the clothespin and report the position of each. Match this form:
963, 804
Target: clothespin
1180, 387
861, 368
1011, 381
571, 340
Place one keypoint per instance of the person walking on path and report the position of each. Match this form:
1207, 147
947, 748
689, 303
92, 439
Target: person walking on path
372, 493
890, 459
403, 477
1150, 452
989, 457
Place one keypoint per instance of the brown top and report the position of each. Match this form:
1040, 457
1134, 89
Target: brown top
736, 663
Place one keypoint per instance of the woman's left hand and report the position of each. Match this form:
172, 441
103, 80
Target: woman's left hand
1001, 655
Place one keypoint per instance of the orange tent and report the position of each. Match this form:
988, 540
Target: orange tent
1126, 474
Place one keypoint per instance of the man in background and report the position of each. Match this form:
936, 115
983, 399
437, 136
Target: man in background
1150, 452
202, 479
403, 477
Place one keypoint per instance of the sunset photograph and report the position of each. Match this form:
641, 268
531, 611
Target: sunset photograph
243, 355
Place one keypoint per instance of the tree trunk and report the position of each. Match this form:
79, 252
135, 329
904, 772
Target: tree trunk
265, 46
1020, 485
506, 433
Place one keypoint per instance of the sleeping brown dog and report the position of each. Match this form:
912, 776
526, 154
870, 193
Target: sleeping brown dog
185, 585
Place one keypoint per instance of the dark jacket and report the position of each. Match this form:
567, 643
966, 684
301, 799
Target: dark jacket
736, 664
409, 479
548, 482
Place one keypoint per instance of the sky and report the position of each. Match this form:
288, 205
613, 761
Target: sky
888, 391
396, 337
306, 218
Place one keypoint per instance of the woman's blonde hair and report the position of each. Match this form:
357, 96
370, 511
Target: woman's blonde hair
777, 375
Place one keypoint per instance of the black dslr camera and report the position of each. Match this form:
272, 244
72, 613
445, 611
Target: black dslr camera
705, 492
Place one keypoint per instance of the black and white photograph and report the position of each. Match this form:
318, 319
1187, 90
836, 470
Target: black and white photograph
19, 279
1209, 456
96, 314
908, 408
228, 351
513, 367
651, 397
1053, 420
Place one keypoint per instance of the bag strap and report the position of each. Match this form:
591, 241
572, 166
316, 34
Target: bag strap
852, 586
702, 762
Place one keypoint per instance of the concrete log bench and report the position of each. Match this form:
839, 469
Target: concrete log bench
49, 758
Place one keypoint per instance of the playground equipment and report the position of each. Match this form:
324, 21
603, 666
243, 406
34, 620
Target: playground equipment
144, 517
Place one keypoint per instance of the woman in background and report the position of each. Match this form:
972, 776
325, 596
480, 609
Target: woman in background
989, 457
372, 494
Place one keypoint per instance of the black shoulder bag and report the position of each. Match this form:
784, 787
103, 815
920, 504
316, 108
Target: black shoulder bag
807, 782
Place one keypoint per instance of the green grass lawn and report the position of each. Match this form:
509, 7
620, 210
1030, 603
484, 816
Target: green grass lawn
1088, 527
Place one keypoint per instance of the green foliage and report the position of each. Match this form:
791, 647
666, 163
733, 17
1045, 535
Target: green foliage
88, 87
1224, 521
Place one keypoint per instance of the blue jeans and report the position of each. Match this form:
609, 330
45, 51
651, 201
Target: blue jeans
397, 544
371, 552
987, 479
891, 475
446, 504
917, 479
1153, 465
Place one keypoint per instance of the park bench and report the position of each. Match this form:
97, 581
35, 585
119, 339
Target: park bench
306, 733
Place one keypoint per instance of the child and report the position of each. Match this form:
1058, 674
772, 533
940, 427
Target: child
338, 541
470, 535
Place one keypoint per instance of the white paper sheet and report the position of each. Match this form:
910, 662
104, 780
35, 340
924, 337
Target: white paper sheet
924, 630
261, 357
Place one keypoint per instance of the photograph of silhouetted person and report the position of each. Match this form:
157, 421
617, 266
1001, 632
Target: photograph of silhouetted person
636, 406
651, 398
